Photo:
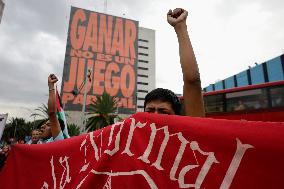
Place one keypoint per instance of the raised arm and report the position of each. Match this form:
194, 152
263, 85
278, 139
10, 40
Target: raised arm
55, 126
193, 101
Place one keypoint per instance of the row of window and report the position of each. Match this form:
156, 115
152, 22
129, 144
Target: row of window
142, 83
142, 68
142, 47
143, 40
140, 75
143, 54
245, 100
144, 61
143, 91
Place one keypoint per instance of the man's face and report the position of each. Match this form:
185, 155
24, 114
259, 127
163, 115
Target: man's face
159, 107
46, 130
35, 136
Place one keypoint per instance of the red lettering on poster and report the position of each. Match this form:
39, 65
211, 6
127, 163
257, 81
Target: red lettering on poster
91, 34
99, 77
77, 32
112, 82
127, 71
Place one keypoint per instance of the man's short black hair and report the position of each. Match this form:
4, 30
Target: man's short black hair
164, 95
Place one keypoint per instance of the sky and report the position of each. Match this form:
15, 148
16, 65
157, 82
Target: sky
227, 37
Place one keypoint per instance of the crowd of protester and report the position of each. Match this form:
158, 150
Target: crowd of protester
162, 101
49, 131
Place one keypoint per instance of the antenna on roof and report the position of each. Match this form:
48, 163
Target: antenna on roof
105, 6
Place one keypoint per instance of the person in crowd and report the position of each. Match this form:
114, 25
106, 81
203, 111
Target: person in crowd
4, 151
51, 130
164, 101
240, 106
12, 141
36, 133
21, 141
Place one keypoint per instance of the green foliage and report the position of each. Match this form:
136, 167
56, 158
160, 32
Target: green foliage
17, 128
73, 130
38, 123
41, 111
102, 112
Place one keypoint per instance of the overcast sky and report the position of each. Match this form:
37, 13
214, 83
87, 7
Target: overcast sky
227, 36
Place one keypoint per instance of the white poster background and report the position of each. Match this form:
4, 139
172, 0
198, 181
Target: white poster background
3, 119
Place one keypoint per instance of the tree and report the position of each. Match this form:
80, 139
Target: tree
41, 111
17, 128
73, 130
102, 112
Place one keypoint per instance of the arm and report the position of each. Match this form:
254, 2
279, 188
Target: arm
55, 126
193, 101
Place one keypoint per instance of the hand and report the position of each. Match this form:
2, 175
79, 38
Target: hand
176, 16
51, 80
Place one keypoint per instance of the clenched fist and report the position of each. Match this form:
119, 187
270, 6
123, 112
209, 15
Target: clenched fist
177, 16
51, 80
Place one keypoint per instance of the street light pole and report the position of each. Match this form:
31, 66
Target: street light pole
87, 74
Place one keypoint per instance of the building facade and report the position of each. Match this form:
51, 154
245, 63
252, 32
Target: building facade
2, 5
269, 71
146, 69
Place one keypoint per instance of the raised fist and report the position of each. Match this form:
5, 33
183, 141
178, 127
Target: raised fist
52, 79
176, 16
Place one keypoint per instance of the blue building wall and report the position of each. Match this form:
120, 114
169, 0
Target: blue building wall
242, 79
272, 70
229, 83
209, 88
257, 75
219, 86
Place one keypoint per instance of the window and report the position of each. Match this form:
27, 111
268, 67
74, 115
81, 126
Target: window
214, 103
142, 47
143, 54
143, 40
247, 100
142, 91
139, 75
144, 61
142, 83
142, 68
277, 96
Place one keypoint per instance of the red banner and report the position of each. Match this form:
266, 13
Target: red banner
155, 151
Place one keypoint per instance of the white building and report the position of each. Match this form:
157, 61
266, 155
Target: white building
146, 69
1, 9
